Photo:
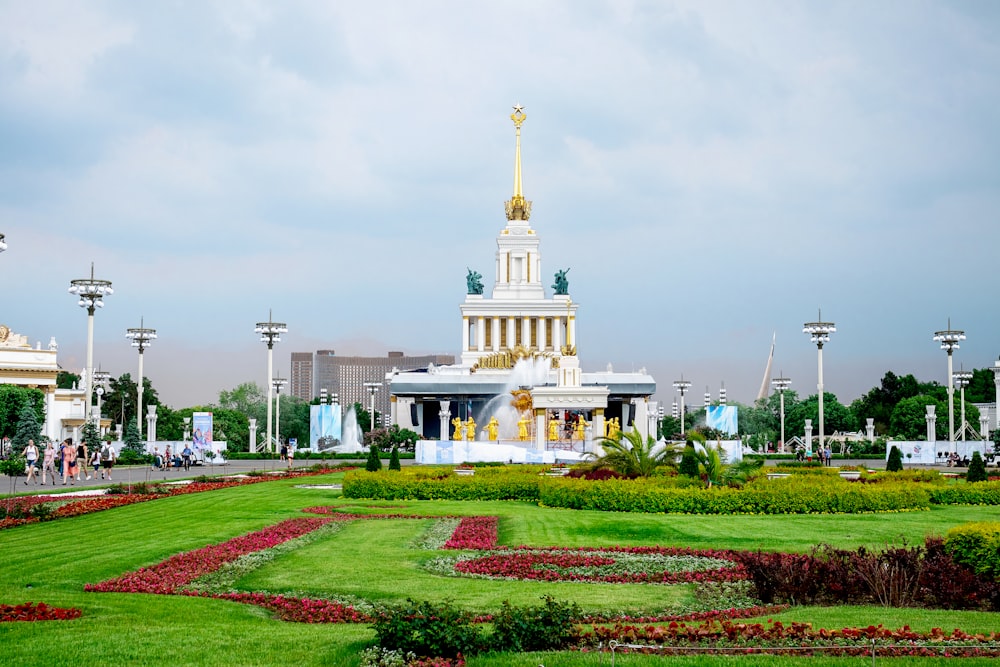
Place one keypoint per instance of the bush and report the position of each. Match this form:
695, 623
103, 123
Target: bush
977, 469
427, 629
374, 463
689, 462
895, 462
549, 627
977, 546
394, 459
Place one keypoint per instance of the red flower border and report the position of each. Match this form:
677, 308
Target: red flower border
29, 611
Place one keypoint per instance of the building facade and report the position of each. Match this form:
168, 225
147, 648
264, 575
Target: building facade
300, 380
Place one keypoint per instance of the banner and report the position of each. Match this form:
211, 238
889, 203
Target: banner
324, 426
722, 418
201, 433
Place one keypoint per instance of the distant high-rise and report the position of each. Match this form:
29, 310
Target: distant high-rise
346, 376
301, 380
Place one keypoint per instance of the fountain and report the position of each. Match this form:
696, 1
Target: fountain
528, 372
351, 437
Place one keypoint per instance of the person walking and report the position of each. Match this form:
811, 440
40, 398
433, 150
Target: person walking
167, 461
107, 459
82, 456
186, 455
70, 467
95, 462
48, 461
291, 456
31, 460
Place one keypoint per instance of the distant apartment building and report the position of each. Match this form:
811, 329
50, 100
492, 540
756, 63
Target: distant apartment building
346, 376
301, 381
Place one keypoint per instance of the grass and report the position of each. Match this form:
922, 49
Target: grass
52, 561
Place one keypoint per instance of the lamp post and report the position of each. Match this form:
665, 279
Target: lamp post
949, 339
372, 388
996, 381
660, 411
682, 386
141, 337
278, 384
270, 333
781, 384
962, 378
91, 292
819, 333
100, 377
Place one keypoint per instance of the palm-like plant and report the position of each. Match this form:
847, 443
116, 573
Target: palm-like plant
632, 455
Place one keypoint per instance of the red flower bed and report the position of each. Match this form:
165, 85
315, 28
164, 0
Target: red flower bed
715, 614
29, 611
777, 637
168, 576
474, 532
300, 610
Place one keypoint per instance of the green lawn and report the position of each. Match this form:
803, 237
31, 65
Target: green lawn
52, 561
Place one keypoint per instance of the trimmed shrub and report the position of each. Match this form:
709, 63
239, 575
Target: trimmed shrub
428, 630
374, 463
977, 469
549, 627
689, 462
394, 459
977, 546
895, 461
980, 493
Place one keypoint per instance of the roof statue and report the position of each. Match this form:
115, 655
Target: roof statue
561, 285
474, 282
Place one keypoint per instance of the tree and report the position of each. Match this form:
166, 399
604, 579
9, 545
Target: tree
895, 461
394, 460
836, 416
247, 398
977, 469
982, 387
233, 427
374, 463
66, 380
633, 456
909, 418
879, 403
12, 399
29, 427
91, 437
689, 461
119, 402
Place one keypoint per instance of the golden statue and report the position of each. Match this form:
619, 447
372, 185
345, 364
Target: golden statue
581, 425
457, 423
470, 429
522, 429
492, 428
553, 430
613, 428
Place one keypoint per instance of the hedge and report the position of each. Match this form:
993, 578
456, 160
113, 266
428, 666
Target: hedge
977, 546
977, 493
442, 486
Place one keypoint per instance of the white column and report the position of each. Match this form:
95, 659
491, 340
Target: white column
540, 432
88, 380
640, 423
571, 330
931, 423
951, 405
270, 389
541, 333
870, 428
51, 427
821, 425
526, 331
495, 325
151, 423
556, 333
465, 334
481, 334
781, 399
984, 426
809, 435
444, 415
510, 333
253, 435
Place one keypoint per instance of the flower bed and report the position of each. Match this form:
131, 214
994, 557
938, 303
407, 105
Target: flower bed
474, 532
29, 611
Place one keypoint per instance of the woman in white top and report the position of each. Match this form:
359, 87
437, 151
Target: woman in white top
31, 457
49, 462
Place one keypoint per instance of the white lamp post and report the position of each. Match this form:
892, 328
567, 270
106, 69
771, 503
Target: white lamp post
962, 378
996, 381
819, 333
372, 388
682, 386
278, 384
781, 384
100, 377
141, 338
270, 333
949, 339
91, 292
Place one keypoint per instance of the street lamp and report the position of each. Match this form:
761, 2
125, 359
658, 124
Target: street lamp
141, 337
660, 411
100, 377
722, 394
962, 378
278, 384
949, 342
372, 388
270, 333
781, 384
682, 386
819, 333
91, 292
996, 381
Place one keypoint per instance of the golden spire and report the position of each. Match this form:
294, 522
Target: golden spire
518, 208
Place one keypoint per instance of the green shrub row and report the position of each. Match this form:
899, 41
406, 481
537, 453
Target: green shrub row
770, 497
444, 486
980, 493
977, 546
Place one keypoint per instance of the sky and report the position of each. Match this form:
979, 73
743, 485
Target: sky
713, 173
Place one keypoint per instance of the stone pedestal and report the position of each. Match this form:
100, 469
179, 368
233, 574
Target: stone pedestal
931, 423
